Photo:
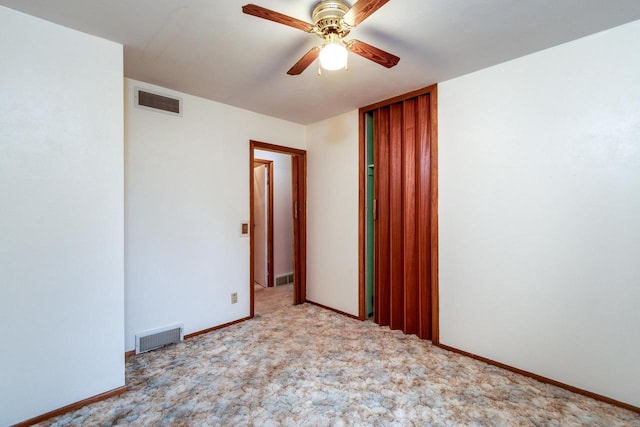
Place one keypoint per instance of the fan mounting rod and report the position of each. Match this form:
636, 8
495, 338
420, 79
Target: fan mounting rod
327, 19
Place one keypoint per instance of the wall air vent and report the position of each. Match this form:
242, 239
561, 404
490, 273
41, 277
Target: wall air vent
157, 338
284, 280
158, 102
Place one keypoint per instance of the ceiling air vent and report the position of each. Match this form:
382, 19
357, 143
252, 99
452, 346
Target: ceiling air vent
157, 102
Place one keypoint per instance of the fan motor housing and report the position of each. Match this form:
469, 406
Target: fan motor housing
327, 17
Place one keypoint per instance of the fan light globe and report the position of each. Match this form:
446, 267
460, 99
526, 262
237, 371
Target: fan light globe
333, 56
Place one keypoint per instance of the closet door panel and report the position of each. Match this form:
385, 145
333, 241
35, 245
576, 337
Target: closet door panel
410, 238
382, 242
423, 181
402, 181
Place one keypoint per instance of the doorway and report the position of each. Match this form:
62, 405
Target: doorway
285, 261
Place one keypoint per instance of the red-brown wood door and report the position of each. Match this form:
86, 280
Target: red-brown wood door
403, 203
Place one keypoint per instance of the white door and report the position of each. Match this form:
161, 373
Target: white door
260, 225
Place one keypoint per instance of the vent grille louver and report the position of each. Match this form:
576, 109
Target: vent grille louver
284, 280
157, 338
155, 101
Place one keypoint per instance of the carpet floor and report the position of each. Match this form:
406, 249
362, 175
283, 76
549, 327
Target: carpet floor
306, 366
267, 300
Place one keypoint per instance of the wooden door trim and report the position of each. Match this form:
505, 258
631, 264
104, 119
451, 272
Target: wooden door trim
270, 255
362, 215
258, 145
299, 255
299, 186
435, 301
399, 98
433, 130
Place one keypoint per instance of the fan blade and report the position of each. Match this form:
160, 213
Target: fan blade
372, 53
361, 11
305, 61
261, 12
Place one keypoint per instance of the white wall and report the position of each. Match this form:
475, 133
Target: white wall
61, 217
187, 192
282, 211
332, 212
539, 213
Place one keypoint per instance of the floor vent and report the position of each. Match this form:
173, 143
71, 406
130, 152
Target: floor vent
284, 280
157, 338
155, 101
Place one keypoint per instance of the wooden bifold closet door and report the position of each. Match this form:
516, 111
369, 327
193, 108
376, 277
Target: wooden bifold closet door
402, 192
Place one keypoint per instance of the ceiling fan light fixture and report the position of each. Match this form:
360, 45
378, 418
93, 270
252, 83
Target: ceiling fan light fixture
333, 21
333, 56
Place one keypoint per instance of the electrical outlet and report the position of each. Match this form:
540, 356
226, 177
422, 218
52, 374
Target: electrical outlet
234, 298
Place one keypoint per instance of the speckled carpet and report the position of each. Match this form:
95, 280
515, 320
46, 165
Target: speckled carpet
267, 300
306, 366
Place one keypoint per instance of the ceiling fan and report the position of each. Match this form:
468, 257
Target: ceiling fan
333, 20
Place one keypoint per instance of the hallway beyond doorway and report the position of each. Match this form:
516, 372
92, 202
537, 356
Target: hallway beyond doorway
268, 300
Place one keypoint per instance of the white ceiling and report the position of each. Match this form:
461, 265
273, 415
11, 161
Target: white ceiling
211, 49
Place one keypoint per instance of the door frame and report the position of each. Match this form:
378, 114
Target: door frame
269, 165
362, 176
299, 207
